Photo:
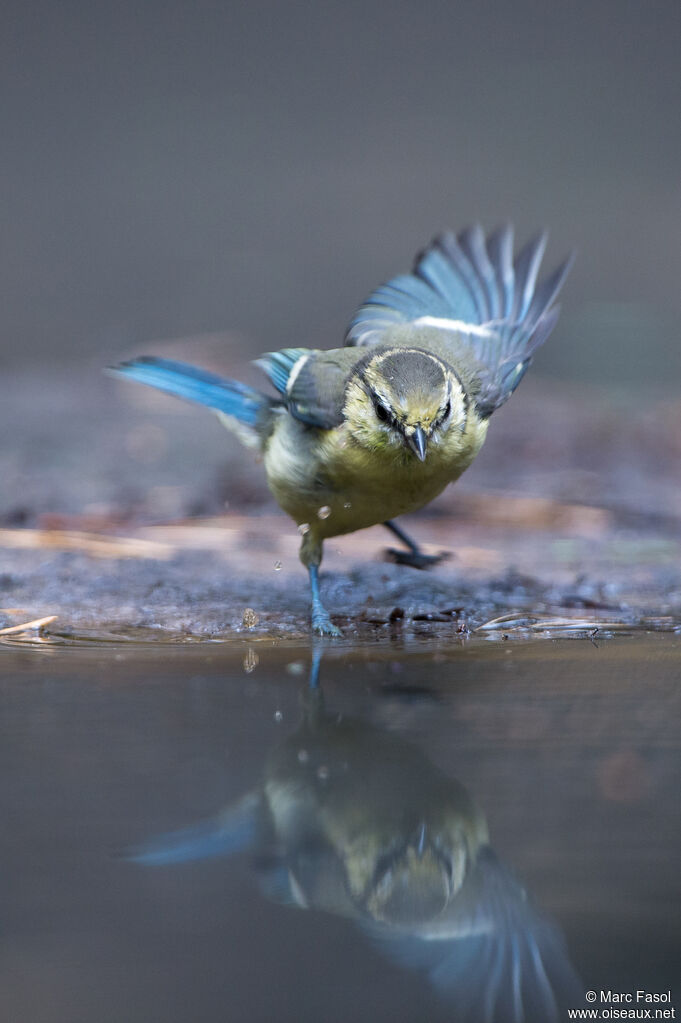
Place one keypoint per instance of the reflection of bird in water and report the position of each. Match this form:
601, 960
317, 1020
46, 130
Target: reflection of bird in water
357, 822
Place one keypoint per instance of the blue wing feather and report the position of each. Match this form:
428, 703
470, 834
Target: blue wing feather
473, 310
500, 251
278, 365
440, 272
526, 268
472, 242
503, 963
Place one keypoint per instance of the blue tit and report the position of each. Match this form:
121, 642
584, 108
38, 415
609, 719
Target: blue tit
357, 822
362, 434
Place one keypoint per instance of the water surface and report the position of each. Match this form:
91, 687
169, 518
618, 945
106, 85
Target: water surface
564, 753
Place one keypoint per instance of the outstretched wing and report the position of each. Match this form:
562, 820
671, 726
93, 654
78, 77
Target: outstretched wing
474, 292
493, 958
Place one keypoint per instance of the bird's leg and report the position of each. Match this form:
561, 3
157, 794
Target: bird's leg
311, 557
313, 679
321, 622
312, 698
414, 556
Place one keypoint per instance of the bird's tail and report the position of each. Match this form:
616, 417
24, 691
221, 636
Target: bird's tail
242, 408
232, 831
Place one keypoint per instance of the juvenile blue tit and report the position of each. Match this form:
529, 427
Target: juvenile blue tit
362, 434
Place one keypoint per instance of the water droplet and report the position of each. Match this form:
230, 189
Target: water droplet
322, 772
250, 618
277, 566
295, 668
347, 504
303, 756
278, 716
304, 528
323, 512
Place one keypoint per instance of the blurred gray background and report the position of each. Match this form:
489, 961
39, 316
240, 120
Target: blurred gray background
176, 168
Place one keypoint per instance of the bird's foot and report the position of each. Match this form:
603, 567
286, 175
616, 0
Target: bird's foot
416, 559
322, 624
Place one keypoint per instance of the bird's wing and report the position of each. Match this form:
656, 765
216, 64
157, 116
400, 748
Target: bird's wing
472, 290
516, 971
312, 382
494, 957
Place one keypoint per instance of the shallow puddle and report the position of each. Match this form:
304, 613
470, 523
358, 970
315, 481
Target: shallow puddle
192, 833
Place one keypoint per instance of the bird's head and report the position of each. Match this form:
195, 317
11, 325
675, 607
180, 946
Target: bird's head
414, 884
405, 399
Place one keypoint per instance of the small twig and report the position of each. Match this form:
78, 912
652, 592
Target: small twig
533, 623
580, 624
512, 616
37, 623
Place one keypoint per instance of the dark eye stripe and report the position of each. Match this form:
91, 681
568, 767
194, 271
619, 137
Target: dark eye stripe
444, 415
381, 412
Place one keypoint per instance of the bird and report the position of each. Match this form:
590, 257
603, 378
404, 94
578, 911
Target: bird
361, 434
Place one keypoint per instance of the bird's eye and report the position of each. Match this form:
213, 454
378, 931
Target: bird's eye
444, 415
381, 412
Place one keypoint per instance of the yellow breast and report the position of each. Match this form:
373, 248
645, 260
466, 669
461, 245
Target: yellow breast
327, 480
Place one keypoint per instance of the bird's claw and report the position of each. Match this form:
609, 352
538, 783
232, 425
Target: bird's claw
323, 626
416, 559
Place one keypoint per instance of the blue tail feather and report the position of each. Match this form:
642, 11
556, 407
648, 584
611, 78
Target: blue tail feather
231, 832
197, 385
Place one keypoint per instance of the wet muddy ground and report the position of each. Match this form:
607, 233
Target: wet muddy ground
125, 511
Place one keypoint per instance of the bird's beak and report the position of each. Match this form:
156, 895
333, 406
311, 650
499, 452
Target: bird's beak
418, 442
